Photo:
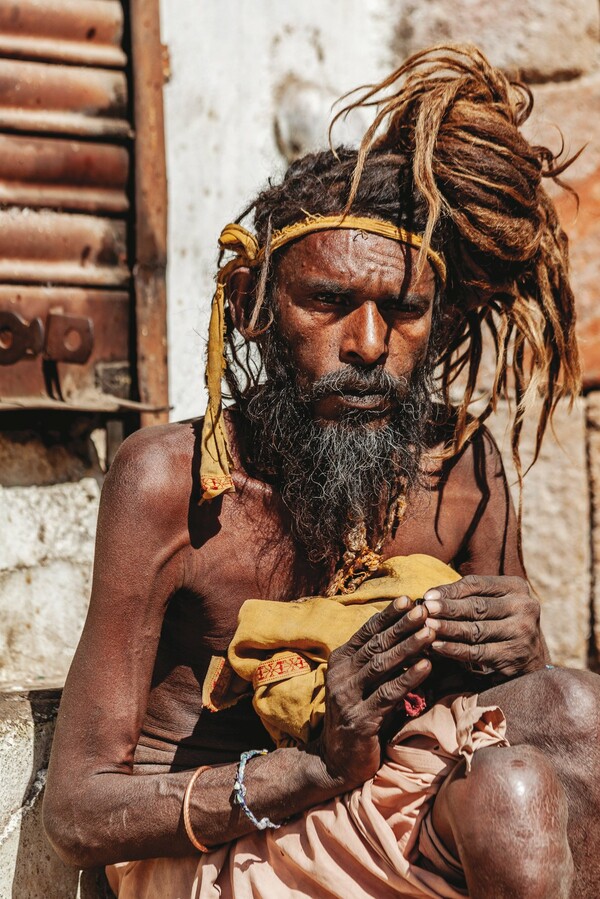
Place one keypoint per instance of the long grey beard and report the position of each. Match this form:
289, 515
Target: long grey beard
344, 478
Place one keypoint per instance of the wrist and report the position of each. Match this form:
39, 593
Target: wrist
324, 781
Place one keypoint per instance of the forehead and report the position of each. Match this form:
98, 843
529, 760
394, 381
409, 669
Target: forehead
351, 256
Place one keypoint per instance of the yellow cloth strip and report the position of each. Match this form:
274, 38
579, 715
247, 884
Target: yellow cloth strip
216, 461
313, 223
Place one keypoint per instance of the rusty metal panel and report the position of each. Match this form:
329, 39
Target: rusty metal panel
54, 247
151, 207
63, 174
44, 97
66, 143
84, 31
110, 312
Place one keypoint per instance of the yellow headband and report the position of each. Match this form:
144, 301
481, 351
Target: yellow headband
216, 462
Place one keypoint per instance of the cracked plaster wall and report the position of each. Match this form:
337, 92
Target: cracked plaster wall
48, 507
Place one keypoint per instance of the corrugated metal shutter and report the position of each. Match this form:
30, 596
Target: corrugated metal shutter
66, 303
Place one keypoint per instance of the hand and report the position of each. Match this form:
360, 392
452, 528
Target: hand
367, 679
488, 623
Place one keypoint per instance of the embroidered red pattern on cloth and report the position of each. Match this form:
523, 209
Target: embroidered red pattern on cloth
289, 665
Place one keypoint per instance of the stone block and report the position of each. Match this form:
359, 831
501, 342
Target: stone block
568, 107
46, 552
29, 867
556, 527
42, 610
42, 524
555, 41
568, 110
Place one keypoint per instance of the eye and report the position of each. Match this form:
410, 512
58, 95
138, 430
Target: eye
331, 299
408, 307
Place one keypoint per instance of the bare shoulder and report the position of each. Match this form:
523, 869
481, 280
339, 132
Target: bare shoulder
154, 467
475, 496
477, 470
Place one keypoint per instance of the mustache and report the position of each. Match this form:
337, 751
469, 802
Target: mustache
355, 381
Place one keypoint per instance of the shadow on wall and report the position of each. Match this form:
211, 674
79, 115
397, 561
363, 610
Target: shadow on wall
29, 867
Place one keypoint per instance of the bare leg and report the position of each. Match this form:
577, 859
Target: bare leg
507, 822
553, 720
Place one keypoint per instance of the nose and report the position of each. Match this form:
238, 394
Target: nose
365, 337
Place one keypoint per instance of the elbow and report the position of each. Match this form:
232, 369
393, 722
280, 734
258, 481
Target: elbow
68, 835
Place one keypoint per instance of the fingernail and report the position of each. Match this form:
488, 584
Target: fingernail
432, 594
423, 634
416, 613
422, 665
433, 624
402, 602
433, 607
438, 644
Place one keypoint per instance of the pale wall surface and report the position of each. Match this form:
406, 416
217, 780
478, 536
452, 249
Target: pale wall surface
231, 64
49, 496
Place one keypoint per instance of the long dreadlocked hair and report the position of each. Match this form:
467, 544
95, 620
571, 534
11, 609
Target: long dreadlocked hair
444, 156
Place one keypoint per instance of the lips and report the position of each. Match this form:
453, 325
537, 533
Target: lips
364, 400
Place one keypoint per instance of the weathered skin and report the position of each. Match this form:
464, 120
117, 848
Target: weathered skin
170, 576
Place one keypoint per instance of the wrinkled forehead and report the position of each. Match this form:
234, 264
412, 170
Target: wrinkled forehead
353, 257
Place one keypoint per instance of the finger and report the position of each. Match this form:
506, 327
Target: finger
477, 631
384, 665
376, 623
394, 635
389, 695
474, 608
480, 585
474, 654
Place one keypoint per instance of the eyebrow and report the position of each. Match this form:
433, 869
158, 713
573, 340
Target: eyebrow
325, 285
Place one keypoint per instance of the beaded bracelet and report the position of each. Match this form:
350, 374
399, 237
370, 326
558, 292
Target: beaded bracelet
186, 810
239, 791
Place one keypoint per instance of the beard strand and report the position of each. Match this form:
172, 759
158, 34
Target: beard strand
343, 475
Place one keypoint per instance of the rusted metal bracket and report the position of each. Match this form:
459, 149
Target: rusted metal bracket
69, 338
19, 339
66, 338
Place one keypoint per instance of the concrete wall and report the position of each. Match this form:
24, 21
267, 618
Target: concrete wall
29, 868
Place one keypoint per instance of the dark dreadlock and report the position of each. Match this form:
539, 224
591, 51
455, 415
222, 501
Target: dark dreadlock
445, 157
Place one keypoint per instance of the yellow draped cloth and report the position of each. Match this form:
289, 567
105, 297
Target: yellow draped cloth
282, 649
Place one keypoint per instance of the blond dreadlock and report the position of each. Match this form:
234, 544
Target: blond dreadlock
457, 119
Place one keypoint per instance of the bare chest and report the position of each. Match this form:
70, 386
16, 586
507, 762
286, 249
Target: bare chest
247, 552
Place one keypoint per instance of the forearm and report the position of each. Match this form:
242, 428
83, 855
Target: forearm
122, 817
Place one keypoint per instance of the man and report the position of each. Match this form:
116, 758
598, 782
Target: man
368, 273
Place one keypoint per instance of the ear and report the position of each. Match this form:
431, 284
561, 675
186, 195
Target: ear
240, 294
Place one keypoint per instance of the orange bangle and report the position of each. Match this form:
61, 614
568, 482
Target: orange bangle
186, 810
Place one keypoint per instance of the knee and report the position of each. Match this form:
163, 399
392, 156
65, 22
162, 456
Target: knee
512, 799
511, 794
513, 782
571, 699
508, 819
